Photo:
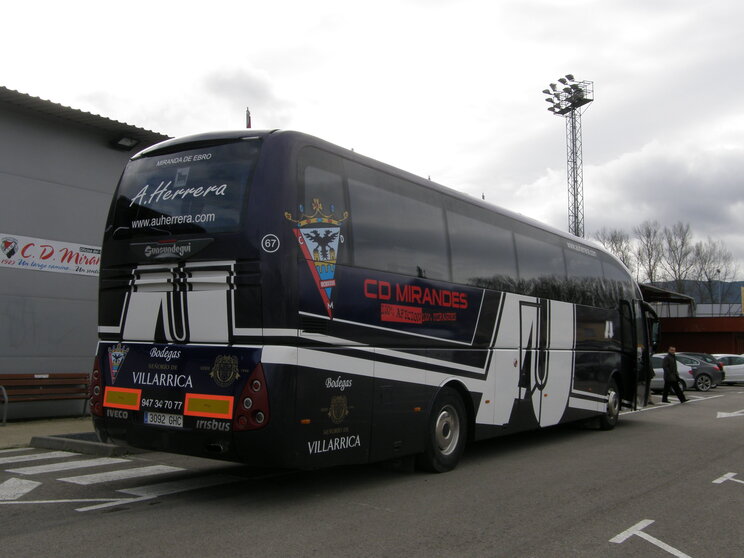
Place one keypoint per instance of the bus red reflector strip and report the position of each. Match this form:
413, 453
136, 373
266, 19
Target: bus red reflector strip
122, 398
212, 406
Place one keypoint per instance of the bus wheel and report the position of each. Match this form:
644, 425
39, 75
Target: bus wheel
447, 430
612, 414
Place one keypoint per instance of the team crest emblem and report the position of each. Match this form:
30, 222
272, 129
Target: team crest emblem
319, 236
117, 354
225, 370
9, 246
339, 409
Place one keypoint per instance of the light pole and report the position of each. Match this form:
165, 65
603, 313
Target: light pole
566, 100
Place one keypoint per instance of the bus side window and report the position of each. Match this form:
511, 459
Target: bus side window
542, 268
482, 253
585, 279
397, 229
617, 282
322, 194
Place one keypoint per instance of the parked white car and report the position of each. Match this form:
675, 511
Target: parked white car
733, 368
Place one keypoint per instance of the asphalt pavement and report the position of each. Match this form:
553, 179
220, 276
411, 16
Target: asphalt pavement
66, 433
69, 434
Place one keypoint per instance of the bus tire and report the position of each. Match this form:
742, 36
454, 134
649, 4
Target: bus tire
612, 413
446, 433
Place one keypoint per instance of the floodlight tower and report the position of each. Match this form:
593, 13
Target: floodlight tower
566, 100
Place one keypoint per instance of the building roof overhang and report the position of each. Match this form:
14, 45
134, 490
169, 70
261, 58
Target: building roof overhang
113, 128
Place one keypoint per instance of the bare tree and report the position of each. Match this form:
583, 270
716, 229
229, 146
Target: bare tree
617, 242
677, 258
648, 250
713, 269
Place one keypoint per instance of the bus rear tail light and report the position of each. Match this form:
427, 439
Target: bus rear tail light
252, 407
95, 390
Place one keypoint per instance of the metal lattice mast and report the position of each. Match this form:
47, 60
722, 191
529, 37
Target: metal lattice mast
567, 102
575, 171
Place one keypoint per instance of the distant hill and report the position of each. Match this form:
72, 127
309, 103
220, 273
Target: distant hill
721, 291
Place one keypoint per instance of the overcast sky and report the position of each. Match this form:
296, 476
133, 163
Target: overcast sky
440, 88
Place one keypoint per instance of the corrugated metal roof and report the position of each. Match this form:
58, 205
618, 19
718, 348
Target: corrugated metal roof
56, 110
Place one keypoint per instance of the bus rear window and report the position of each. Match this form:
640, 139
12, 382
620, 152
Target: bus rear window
194, 191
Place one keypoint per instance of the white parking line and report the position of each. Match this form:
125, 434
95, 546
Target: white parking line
728, 415
13, 488
65, 501
122, 474
637, 530
152, 491
727, 476
36, 457
12, 450
67, 465
661, 405
173, 487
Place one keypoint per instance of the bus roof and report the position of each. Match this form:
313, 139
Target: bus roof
300, 137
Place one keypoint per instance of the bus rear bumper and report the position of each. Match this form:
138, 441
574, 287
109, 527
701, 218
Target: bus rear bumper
251, 448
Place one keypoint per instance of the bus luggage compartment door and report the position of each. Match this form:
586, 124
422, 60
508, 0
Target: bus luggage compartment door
334, 408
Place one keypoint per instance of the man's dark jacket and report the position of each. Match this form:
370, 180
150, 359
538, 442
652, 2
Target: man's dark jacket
669, 364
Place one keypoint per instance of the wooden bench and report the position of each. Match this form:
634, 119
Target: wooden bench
42, 387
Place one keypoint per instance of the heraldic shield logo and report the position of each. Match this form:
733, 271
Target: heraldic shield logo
117, 355
319, 236
9, 246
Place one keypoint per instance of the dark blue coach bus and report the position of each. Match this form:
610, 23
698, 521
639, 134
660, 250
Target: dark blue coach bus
270, 298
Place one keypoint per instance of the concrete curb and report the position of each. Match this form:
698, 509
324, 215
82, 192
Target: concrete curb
86, 443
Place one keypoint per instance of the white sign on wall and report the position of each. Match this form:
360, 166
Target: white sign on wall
24, 252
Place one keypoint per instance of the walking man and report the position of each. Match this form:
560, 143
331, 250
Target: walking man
671, 377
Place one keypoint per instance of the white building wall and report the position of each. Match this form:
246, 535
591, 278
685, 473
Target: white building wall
56, 181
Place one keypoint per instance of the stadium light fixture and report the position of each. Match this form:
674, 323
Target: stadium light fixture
567, 102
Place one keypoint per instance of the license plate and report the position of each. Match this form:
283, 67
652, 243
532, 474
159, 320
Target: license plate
164, 419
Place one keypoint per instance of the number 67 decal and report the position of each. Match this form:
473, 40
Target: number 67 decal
270, 243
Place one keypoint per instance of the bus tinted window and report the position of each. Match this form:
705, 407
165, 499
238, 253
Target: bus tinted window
583, 265
194, 191
324, 199
586, 282
542, 270
482, 253
396, 229
618, 281
325, 186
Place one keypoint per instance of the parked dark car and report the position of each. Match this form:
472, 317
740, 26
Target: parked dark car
706, 375
708, 359
692, 372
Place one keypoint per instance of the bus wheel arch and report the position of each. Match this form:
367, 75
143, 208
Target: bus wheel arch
448, 426
467, 400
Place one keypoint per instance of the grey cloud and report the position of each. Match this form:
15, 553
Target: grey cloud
240, 88
694, 185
